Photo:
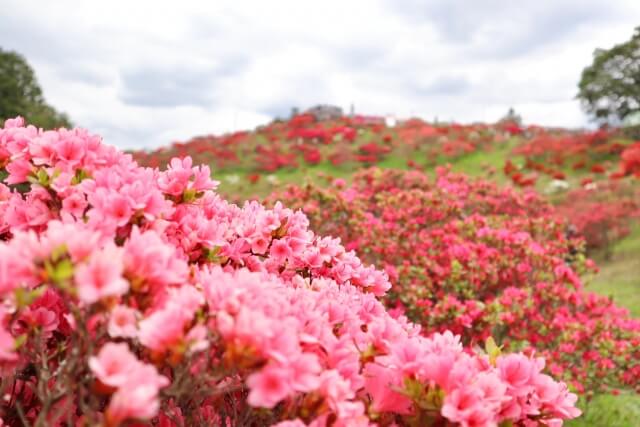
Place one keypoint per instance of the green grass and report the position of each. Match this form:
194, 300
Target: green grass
476, 163
270, 182
609, 411
619, 276
234, 183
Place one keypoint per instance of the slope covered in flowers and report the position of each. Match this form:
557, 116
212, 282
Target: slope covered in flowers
585, 170
480, 260
343, 143
130, 293
304, 141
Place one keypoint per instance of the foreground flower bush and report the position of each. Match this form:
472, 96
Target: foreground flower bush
481, 261
131, 294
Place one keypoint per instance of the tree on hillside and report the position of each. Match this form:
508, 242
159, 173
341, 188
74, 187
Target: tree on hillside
21, 95
609, 88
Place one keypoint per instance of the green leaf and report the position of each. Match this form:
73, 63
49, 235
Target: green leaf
79, 176
189, 195
19, 341
43, 177
25, 297
492, 350
63, 271
58, 252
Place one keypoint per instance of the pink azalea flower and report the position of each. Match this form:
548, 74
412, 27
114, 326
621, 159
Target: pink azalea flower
381, 383
18, 170
516, 370
101, 276
114, 364
163, 329
291, 423
122, 322
75, 204
70, 150
138, 398
268, 386
118, 210
16, 122
7, 344
41, 318
547, 389
280, 250
136, 403
150, 260
305, 371
461, 403
259, 245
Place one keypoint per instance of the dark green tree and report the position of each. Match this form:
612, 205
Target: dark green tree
609, 88
21, 95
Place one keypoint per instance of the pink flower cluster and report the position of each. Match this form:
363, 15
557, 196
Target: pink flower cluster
136, 384
133, 294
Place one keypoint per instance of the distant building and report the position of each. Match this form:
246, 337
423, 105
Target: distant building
511, 117
325, 112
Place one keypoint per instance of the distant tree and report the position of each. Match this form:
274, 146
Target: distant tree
609, 88
21, 95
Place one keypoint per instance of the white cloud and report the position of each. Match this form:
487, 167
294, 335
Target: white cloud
146, 73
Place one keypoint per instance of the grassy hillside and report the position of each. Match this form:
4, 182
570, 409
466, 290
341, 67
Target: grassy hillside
619, 275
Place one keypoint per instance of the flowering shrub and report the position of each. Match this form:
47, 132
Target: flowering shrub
133, 294
602, 212
481, 261
630, 160
548, 150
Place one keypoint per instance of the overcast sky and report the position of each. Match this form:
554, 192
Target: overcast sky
146, 73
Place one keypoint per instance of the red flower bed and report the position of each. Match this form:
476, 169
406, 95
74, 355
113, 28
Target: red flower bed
603, 211
549, 150
303, 140
630, 160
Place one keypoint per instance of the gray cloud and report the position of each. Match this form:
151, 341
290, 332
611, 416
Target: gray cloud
445, 85
85, 72
358, 56
504, 28
60, 44
282, 107
142, 79
136, 138
149, 87
549, 26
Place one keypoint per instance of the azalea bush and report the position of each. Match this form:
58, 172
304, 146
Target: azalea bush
479, 260
548, 151
630, 160
602, 211
136, 296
